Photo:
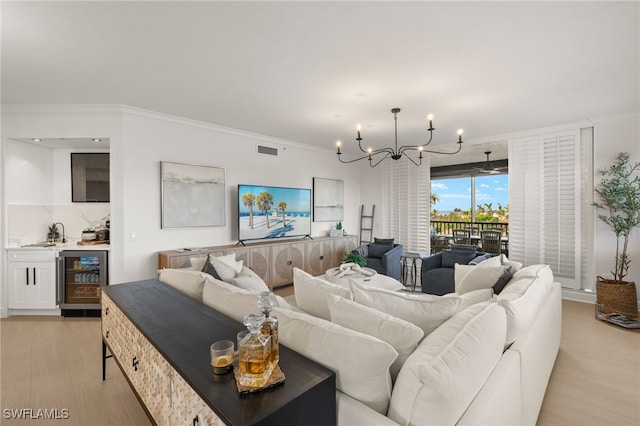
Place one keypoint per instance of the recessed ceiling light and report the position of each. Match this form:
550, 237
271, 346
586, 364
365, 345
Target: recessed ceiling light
36, 140
96, 140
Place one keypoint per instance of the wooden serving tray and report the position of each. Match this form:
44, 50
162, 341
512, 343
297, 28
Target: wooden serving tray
91, 243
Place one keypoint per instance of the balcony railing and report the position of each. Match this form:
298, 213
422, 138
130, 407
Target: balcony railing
442, 227
442, 231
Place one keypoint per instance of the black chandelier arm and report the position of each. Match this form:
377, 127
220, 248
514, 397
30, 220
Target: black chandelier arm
379, 161
443, 152
374, 152
368, 156
411, 159
406, 147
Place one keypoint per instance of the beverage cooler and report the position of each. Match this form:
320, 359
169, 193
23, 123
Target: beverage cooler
80, 275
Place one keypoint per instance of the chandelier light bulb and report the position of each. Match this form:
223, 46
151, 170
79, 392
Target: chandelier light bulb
460, 132
338, 143
430, 117
358, 128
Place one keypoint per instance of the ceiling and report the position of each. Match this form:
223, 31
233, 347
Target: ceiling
310, 71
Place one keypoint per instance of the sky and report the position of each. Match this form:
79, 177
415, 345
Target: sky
457, 192
297, 199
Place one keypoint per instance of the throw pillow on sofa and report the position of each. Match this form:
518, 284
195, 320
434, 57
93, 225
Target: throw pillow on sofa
424, 310
194, 263
536, 271
249, 280
501, 260
449, 367
401, 334
230, 259
186, 281
479, 277
311, 293
361, 362
208, 268
234, 302
226, 266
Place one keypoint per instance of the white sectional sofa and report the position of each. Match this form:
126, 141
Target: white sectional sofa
479, 359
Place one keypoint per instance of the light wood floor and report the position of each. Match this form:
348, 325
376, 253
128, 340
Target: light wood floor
54, 363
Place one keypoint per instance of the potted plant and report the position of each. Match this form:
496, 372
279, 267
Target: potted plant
357, 258
619, 193
53, 234
337, 232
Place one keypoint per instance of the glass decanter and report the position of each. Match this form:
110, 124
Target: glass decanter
266, 302
254, 357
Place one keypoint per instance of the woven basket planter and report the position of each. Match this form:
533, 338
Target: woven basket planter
612, 297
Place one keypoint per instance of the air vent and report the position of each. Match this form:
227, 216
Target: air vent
267, 150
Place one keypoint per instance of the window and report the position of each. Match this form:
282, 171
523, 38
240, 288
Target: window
481, 198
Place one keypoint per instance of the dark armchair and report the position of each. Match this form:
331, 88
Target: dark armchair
386, 259
437, 271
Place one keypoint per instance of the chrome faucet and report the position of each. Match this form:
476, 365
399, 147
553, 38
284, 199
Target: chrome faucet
63, 238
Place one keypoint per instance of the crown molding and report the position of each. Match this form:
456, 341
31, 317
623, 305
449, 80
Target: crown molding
168, 118
62, 109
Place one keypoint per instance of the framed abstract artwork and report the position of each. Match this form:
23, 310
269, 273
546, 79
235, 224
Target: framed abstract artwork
192, 195
328, 203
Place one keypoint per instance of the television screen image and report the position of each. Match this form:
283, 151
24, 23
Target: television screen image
273, 212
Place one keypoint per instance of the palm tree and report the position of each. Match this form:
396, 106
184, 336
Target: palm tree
249, 200
264, 201
435, 198
489, 207
480, 208
282, 206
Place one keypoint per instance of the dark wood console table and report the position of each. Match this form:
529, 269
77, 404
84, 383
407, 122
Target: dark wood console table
160, 338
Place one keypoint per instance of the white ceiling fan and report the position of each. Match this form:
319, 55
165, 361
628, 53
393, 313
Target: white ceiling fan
488, 166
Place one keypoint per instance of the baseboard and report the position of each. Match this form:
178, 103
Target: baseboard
584, 296
50, 312
579, 295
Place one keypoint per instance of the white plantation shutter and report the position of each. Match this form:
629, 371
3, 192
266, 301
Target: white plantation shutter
548, 203
586, 210
407, 203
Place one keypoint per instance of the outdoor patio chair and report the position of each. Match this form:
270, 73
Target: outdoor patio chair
461, 236
491, 242
439, 243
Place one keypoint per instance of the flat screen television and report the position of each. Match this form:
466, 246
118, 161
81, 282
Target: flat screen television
266, 212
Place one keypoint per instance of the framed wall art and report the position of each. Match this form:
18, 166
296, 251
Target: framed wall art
192, 195
328, 203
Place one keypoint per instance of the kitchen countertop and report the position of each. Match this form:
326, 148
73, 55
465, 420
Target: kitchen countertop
64, 246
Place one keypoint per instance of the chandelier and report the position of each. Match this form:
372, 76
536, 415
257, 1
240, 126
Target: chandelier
397, 153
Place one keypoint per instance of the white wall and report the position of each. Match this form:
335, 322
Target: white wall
613, 135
